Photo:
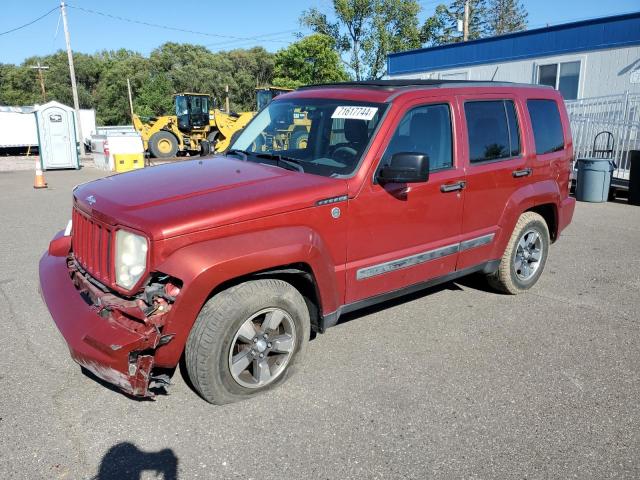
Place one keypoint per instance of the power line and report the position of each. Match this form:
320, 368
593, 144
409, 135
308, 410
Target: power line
167, 27
259, 37
31, 22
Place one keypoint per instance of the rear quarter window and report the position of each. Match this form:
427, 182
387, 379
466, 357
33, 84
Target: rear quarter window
546, 125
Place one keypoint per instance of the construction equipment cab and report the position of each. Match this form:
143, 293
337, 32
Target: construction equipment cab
265, 94
192, 110
231, 261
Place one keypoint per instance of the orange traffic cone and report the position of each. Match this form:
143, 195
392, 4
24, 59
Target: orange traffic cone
39, 181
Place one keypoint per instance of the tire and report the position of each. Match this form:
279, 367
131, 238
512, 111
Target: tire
299, 139
212, 138
163, 145
220, 336
205, 148
521, 266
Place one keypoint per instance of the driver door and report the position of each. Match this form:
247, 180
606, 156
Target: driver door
404, 234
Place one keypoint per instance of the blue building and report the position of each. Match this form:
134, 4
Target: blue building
584, 59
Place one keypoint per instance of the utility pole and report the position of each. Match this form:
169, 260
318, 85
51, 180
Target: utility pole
226, 98
130, 98
40, 68
72, 74
465, 22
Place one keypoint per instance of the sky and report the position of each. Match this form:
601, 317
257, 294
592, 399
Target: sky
217, 24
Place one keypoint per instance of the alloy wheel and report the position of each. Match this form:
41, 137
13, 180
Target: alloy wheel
262, 348
526, 261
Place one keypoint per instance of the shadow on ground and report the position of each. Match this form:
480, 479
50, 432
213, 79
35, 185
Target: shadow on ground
125, 461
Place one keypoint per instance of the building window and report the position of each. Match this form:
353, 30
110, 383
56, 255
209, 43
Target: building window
454, 76
561, 76
493, 130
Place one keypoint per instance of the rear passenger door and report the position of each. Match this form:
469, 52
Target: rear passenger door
496, 166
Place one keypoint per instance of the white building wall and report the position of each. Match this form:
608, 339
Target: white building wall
602, 72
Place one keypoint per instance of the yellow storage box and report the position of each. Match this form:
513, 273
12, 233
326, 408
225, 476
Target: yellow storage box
128, 161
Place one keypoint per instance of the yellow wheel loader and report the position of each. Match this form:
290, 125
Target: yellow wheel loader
196, 127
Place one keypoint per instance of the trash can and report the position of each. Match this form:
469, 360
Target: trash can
128, 161
594, 179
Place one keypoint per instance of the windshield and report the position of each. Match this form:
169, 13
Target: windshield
317, 136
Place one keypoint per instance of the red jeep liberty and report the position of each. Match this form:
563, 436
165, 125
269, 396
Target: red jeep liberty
333, 198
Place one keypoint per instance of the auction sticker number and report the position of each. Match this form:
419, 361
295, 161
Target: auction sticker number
355, 112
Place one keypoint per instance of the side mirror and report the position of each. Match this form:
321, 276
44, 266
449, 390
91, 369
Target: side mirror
405, 168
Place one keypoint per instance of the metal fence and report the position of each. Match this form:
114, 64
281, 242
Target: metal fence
617, 114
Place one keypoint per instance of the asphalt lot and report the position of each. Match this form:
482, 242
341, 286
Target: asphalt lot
455, 382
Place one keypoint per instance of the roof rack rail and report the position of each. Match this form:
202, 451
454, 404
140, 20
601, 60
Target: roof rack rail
409, 83
403, 83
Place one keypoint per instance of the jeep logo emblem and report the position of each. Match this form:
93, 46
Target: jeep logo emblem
91, 200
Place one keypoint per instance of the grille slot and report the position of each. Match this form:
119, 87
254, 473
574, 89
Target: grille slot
91, 244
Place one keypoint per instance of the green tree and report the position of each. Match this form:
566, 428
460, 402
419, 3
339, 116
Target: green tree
155, 96
310, 60
442, 27
110, 96
505, 16
365, 31
171, 68
394, 29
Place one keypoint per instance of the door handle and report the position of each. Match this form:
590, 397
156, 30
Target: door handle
525, 172
452, 187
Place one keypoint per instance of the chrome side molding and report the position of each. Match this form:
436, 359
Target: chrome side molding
392, 265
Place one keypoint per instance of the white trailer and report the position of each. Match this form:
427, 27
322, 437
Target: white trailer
18, 126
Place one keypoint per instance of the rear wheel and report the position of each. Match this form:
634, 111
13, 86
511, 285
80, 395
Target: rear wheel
212, 138
246, 340
163, 145
525, 256
205, 148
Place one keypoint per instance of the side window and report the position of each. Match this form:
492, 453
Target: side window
546, 124
425, 129
492, 128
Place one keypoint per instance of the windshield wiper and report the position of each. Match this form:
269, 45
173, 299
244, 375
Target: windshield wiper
284, 162
241, 153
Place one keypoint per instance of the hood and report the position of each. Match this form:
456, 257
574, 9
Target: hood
185, 197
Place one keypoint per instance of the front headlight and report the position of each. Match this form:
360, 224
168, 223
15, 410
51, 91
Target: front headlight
131, 258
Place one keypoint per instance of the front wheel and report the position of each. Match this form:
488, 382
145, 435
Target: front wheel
246, 340
525, 256
163, 144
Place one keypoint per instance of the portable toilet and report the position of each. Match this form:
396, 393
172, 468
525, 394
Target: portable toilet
57, 139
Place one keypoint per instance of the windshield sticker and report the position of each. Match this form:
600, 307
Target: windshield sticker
355, 112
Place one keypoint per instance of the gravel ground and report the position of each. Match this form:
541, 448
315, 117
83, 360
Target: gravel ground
451, 383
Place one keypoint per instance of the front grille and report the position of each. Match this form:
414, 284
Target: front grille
91, 244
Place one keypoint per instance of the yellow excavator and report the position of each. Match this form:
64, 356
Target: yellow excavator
196, 127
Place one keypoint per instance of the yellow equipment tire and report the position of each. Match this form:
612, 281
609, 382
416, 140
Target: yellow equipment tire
299, 139
163, 145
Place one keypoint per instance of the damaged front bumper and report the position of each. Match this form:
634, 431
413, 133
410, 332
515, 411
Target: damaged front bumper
102, 337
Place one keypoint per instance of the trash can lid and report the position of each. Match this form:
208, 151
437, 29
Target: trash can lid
600, 164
